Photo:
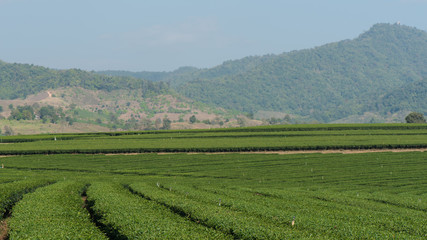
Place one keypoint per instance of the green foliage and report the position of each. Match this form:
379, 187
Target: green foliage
22, 113
53, 212
20, 80
138, 218
8, 131
178, 76
382, 71
221, 196
270, 138
166, 123
415, 117
12, 192
409, 97
51, 114
193, 119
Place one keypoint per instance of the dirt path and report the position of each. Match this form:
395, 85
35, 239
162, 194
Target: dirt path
343, 151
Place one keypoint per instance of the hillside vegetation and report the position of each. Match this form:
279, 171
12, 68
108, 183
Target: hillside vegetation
21, 80
331, 81
383, 71
75, 109
82, 101
380, 76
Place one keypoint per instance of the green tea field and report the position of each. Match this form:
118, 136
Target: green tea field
217, 184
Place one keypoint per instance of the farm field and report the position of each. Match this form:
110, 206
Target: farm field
182, 195
271, 138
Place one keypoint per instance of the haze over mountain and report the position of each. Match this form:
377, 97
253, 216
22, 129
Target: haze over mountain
383, 70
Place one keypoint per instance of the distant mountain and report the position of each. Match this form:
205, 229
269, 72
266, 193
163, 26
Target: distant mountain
328, 82
186, 74
382, 70
380, 73
21, 80
178, 76
411, 96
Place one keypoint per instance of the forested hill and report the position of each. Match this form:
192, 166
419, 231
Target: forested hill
20, 80
186, 74
383, 70
332, 81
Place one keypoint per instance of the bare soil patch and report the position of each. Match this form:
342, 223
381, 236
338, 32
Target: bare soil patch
342, 151
3, 229
350, 151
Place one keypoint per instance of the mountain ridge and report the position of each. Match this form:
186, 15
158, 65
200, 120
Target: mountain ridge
328, 82
381, 71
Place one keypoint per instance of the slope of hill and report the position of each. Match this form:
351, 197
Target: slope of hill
411, 96
180, 75
186, 74
328, 82
380, 71
36, 99
21, 80
75, 109
380, 75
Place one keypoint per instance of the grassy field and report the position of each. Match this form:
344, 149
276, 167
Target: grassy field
217, 196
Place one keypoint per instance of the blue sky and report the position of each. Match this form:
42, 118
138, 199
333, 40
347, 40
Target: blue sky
162, 35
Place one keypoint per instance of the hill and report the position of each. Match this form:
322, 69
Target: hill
21, 80
382, 71
329, 82
75, 109
36, 99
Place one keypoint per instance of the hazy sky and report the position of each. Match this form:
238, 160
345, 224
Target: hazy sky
162, 35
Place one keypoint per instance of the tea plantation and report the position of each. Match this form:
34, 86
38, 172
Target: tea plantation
217, 184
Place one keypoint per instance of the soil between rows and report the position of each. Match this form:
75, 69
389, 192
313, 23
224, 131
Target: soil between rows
343, 151
3, 229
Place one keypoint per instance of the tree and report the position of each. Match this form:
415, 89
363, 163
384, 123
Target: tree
146, 124
166, 123
22, 113
70, 120
415, 117
241, 121
193, 119
157, 123
8, 131
49, 113
1, 108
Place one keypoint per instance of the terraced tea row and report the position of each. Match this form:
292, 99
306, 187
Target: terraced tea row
11, 192
290, 213
219, 196
225, 140
137, 218
53, 212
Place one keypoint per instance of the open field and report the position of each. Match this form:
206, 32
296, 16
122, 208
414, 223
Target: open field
379, 195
